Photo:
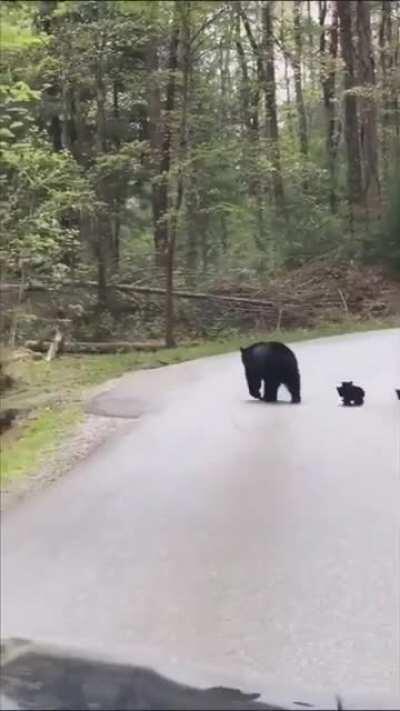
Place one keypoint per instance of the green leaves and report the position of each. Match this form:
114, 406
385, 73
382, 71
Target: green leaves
15, 118
42, 198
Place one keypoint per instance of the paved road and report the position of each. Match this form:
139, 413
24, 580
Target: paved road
223, 531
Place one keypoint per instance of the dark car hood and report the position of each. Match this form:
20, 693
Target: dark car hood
40, 676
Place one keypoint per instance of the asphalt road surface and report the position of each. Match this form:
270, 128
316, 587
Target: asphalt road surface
222, 531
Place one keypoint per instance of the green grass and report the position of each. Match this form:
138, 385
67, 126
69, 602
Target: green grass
54, 392
38, 440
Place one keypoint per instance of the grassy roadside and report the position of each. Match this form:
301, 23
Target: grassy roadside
54, 393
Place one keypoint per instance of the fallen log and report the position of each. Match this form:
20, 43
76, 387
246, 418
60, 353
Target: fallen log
195, 295
295, 300
148, 290
96, 348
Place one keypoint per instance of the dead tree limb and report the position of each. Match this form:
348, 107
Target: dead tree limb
55, 345
94, 348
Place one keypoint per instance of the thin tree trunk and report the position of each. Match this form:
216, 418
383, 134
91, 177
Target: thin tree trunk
102, 290
298, 81
244, 80
390, 94
328, 52
395, 72
101, 106
271, 111
162, 179
116, 113
288, 94
153, 89
170, 262
116, 230
191, 209
351, 129
250, 99
55, 131
310, 43
182, 12
368, 109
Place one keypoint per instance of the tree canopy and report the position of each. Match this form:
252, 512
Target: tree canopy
199, 138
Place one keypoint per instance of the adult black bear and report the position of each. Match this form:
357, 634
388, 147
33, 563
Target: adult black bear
275, 364
351, 394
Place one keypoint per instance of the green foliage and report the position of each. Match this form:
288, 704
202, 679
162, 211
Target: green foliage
40, 189
83, 86
17, 33
383, 243
16, 117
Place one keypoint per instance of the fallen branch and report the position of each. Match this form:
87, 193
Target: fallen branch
149, 290
55, 345
93, 348
194, 295
343, 300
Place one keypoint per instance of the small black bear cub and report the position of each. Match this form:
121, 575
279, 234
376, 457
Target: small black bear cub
351, 394
275, 364
398, 393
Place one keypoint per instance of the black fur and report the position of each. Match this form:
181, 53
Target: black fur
351, 394
398, 393
275, 364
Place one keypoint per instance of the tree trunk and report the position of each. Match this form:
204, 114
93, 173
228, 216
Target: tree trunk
97, 234
55, 131
191, 209
181, 16
116, 112
166, 141
271, 111
310, 43
102, 291
288, 94
298, 82
155, 137
100, 105
368, 110
395, 71
390, 101
170, 262
351, 129
250, 99
328, 52
244, 81
115, 229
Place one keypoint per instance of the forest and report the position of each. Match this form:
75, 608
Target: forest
177, 168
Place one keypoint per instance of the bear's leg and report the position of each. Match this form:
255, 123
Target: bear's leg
271, 390
293, 385
254, 384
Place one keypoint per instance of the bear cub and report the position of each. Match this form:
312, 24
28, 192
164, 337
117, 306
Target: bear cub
351, 394
274, 364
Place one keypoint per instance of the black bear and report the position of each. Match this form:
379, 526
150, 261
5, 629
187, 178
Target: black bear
351, 394
275, 364
398, 393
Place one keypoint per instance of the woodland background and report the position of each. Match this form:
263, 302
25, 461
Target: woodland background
190, 169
